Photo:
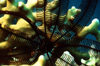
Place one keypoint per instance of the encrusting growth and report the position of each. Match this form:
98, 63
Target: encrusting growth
13, 10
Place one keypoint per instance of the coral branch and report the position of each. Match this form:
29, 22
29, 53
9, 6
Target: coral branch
92, 29
24, 31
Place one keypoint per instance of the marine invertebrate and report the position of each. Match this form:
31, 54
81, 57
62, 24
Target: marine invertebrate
92, 60
20, 39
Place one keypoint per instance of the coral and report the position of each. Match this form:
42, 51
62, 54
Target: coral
92, 28
21, 35
93, 60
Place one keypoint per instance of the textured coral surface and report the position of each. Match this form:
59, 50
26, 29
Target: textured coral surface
20, 37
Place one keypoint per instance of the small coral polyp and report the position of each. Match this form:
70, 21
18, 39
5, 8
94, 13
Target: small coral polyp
24, 27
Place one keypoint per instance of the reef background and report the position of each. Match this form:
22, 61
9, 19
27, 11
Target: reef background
92, 14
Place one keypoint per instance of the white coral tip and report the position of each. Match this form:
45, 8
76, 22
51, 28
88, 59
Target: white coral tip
73, 7
83, 61
20, 4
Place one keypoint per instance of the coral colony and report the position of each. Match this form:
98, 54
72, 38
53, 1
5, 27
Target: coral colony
18, 40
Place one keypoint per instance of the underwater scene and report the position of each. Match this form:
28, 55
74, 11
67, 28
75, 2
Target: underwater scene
49, 33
